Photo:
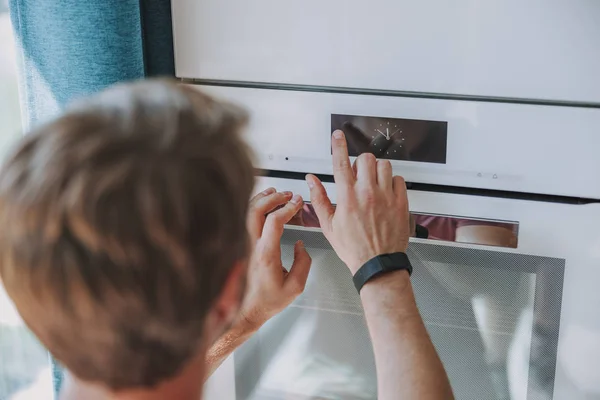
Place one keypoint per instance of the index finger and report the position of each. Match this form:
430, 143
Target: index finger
342, 169
277, 219
262, 204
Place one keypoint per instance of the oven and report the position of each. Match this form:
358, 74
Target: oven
508, 322
491, 112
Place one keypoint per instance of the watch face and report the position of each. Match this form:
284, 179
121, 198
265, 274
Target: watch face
393, 138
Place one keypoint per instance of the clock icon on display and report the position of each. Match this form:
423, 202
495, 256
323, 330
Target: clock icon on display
382, 137
387, 140
387, 131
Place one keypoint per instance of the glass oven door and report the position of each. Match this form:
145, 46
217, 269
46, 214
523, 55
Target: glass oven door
514, 319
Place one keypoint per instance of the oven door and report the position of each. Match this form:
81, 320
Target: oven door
511, 319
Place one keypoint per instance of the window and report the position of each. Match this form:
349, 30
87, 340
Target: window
25, 371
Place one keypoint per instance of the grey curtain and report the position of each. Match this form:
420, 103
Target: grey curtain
71, 48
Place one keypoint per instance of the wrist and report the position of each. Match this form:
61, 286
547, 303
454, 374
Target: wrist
245, 326
234, 337
389, 300
381, 265
389, 294
357, 262
396, 281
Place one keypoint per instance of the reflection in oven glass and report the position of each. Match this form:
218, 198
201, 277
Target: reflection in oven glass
468, 230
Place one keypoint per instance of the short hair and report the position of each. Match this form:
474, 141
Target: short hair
121, 221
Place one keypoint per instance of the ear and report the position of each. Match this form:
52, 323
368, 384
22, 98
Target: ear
228, 302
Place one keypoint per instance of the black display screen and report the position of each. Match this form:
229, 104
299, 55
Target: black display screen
394, 138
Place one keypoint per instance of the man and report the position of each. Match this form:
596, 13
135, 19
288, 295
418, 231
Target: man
130, 249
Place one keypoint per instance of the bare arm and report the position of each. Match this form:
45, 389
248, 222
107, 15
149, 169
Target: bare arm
408, 366
224, 346
372, 218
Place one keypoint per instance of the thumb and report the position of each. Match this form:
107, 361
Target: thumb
320, 202
296, 278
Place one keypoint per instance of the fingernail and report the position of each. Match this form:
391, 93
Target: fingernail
269, 191
300, 244
296, 199
287, 194
309, 181
338, 134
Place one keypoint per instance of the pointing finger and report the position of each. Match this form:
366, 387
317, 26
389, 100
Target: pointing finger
342, 170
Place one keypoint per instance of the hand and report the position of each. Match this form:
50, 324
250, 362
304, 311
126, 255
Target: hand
371, 217
270, 288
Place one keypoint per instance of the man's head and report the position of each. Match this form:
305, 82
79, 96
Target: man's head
122, 222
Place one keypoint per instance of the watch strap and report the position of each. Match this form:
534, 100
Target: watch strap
379, 265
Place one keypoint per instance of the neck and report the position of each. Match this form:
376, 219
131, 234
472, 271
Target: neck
187, 385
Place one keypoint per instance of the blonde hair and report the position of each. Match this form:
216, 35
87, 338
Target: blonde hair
120, 223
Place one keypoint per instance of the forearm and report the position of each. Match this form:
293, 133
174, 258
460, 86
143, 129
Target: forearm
224, 346
408, 366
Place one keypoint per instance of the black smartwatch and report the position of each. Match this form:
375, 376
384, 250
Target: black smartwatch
379, 265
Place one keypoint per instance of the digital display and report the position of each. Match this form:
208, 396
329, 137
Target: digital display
394, 138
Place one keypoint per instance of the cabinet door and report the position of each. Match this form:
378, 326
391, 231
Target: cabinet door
539, 49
